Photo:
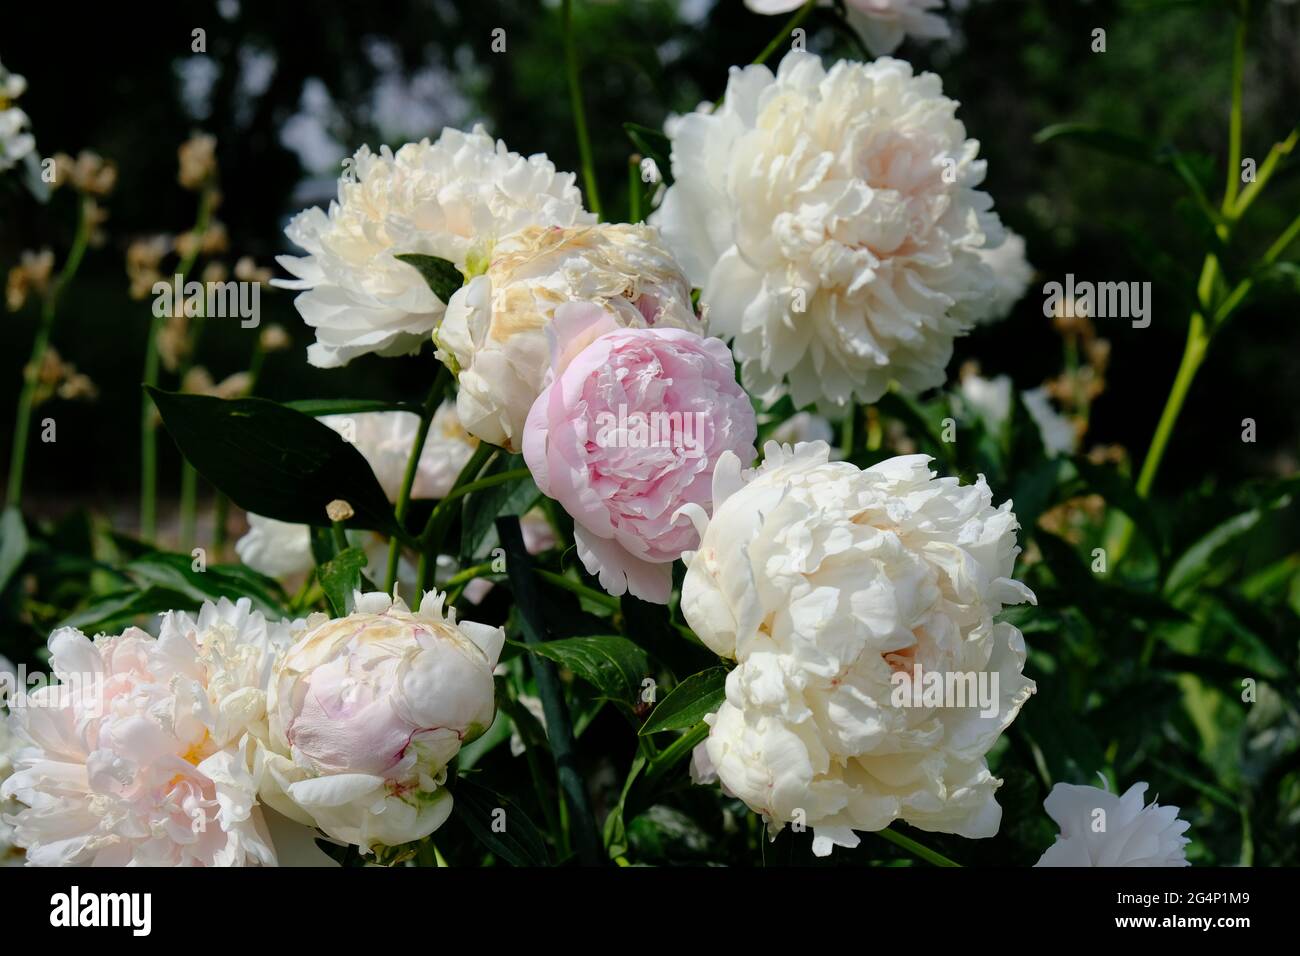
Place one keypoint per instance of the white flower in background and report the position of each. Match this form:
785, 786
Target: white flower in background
384, 439
882, 23
495, 332
1100, 828
449, 198
15, 141
834, 223
10, 854
534, 706
803, 427
823, 582
141, 754
991, 398
1058, 433
1012, 273
366, 712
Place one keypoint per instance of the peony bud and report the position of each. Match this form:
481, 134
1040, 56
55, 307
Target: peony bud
366, 712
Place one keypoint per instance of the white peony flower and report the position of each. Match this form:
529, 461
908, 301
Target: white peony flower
495, 332
366, 712
882, 23
10, 853
446, 199
1012, 273
803, 427
15, 141
281, 549
141, 754
990, 399
1058, 433
1100, 828
834, 222
830, 586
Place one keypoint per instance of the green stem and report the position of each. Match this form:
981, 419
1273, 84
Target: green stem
32, 371
1265, 172
676, 751
1198, 341
148, 429
578, 588
559, 727
431, 404
917, 849
435, 529
791, 25
634, 189
1234, 120
579, 114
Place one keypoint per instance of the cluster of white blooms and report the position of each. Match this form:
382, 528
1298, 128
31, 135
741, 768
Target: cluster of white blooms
16, 142
452, 199
834, 222
213, 743
837, 591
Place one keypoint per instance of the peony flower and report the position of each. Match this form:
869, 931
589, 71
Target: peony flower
833, 221
441, 199
494, 335
1012, 274
385, 439
803, 427
141, 754
628, 432
882, 23
1100, 828
15, 141
366, 712
839, 591
1058, 433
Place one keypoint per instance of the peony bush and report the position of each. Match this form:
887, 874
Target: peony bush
696, 543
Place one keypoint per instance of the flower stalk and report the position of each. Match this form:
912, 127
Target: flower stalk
31, 372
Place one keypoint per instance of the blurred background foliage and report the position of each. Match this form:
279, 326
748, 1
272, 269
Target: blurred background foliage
1140, 669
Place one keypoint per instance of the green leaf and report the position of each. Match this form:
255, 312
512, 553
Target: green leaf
274, 461
481, 508
1109, 141
316, 407
613, 665
176, 572
1195, 562
13, 544
340, 577
520, 843
689, 702
443, 277
125, 606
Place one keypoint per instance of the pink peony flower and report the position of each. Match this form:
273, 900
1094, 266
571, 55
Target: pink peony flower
628, 431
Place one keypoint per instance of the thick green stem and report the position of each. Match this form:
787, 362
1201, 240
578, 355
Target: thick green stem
431, 403
579, 114
559, 727
148, 427
791, 25
435, 529
32, 371
917, 849
1234, 119
1198, 340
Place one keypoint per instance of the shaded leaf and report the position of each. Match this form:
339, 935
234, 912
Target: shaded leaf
274, 461
500, 825
613, 665
340, 576
442, 277
689, 702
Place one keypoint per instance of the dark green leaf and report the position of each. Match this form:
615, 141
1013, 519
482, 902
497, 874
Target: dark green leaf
689, 702
316, 407
510, 835
654, 144
613, 665
481, 508
127, 605
1120, 494
340, 577
177, 573
443, 277
274, 461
